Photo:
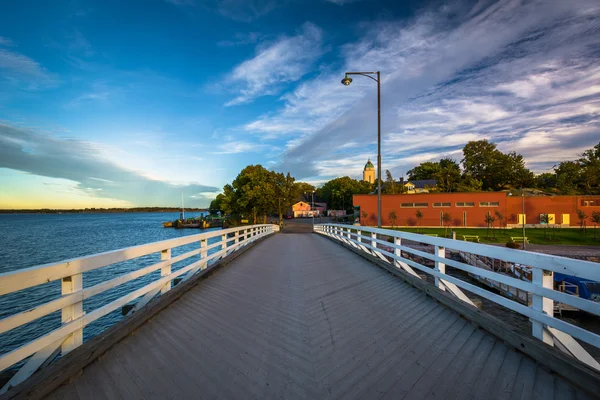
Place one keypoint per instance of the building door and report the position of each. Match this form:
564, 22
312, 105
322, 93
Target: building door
441, 218
566, 219
522, 219
464, 218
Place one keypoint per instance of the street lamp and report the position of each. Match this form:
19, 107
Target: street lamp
347, 81
313, 208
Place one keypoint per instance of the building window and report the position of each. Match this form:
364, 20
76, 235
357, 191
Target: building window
590, 203
465, 204
441, 218
464, 218
413, 205
439, 205
489, 204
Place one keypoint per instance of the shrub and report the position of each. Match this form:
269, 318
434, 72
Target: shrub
513, 245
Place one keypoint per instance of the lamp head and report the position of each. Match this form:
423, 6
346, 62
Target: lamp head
346, 81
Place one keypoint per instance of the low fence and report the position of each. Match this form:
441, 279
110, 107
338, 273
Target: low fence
70, 273
553, 331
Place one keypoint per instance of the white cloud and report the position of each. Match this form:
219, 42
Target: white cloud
5, 42
233, 147
20, 70
285, 60
500, 71
84, 164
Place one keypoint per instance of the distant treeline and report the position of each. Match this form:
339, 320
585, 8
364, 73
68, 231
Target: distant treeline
101, 210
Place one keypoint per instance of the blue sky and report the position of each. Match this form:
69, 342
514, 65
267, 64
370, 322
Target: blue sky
124, 103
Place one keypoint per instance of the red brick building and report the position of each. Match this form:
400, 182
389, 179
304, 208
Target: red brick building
470, 209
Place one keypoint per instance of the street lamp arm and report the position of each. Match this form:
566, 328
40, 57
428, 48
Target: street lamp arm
367, 74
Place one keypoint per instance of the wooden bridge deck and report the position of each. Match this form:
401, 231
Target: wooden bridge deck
297, 317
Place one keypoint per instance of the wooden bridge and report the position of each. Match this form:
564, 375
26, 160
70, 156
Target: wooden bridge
297, 316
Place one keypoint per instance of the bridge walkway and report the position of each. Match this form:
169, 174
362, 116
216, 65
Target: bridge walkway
298, 317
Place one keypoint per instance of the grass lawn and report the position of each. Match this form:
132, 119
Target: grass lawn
534, 235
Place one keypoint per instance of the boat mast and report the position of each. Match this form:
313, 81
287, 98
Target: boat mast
182, 210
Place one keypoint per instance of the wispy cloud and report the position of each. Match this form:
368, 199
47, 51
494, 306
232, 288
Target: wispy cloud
241, 38
505, 71
81, 162
285, 60
236, 147
5, 42
239, 10
17, 69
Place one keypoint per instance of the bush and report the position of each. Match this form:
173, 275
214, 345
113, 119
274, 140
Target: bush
513, 245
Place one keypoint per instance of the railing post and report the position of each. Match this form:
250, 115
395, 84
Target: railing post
72, 284
440, 266
373, 242
359, 235
236, 241
542, 304
397, 251
203, 251
165, 255
224, 244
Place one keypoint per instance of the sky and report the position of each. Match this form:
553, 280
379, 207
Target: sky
131, 103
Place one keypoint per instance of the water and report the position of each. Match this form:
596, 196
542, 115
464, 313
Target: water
32, 239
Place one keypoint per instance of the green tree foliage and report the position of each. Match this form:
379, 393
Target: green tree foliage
596, 220
423, 171
393, 217
582, 216
496, 170
338, 192
580, 176
448, 177
390, 185
546, 181
257, 192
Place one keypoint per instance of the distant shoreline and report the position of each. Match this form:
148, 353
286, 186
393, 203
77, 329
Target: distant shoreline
101, 210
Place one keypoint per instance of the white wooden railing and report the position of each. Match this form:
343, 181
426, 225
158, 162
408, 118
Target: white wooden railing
553, 331
70, 334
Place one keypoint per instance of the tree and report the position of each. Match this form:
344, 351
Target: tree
338, 192
568, 177
489, 220
419, 216
446, 219
390, 185
423, 171
364, 217
448, 177
483, 161
596, 220
392, 217
544, 219
582, 217
546, 181
590, 166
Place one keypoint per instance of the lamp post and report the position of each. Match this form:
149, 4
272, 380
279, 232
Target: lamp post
313, 208
346, 81
523, 211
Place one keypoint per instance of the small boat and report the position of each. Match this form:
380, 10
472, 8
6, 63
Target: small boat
168, 224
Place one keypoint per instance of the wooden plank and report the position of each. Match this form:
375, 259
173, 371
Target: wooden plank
49, 378
577, 373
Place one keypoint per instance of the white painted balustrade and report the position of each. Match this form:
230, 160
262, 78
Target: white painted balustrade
70, 334
553, 331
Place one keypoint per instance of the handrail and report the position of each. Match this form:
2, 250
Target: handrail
70, 272
543, 295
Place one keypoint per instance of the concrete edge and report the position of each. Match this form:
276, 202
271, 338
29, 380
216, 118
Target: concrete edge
48, 379
574, 371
